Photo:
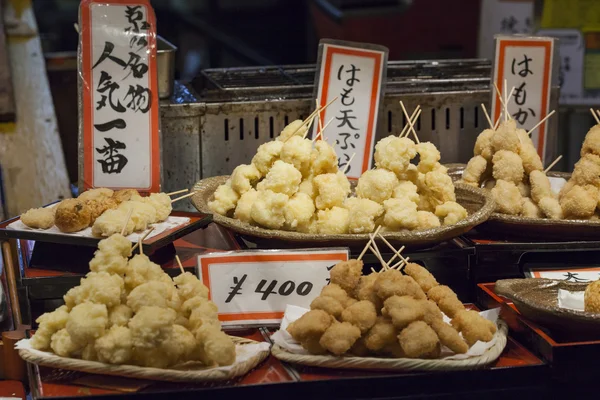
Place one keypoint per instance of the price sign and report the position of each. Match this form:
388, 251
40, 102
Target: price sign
526, 64
355, 73
587, 274
118, 81
254, 287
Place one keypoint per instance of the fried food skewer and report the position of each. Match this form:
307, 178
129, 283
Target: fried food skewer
487, 116
362, 253
549, 167
413, 118
594, 115
183, 197
180, 265
178, 192
412, 128
126, 221
143, 238
541, 122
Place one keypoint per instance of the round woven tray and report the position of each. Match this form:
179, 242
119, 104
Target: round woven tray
188, 372
476, 201
538, 228
394, 364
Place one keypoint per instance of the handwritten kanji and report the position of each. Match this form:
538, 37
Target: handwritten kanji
113, 162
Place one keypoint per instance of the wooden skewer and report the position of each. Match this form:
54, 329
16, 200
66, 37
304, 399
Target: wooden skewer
126, 221
541, 122
183, 197
140, 246
414, 121
487, 116
497, 122
310, 118
549, 167
399, 263
412, 128
322, 130
595, 116
375, 250
395, 255
413, 118
178, 191
499, 97
179, 263
143, 238
348, 164
362, 253
397, 252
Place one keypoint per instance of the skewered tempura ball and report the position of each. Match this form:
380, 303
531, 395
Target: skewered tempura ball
333, 221
483, 145
298, 152
225, 199
394, 154
407, 190
400, 214
377, 185
244, 206
450, 212
507, 197
266, 155
362, 214
540, 186
531, 159
429, 157
580, 202
244, 177
282, 178
551, 208
530, 209
474, 172
427, 220
294, 128
330, 191
268, 209
72, 215
591, 144
323, 159
113, 221
587, 171
507, 166
506, 137
298, 211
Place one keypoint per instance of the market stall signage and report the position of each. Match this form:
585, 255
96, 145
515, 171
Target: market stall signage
355, 73
255, 287
584, 274
119, 93
525, 62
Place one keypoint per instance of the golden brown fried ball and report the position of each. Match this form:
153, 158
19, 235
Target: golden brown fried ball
506, 137
507, 197
446, 300
365, 290
591, 297
421, 275
483, 144
449, 336
311, 325
380, 335
419, 340
531, 159
336, 291
591, 144
361, 314
587, 171
580, 202
97, 207
39, 218
72, 215
403, 310
340, 337
507, 166
473, 327
432, 312
328, 304
540, 186
474, 172
125, 195
392, 282
359, 349
346, 274
530, 209
98, 194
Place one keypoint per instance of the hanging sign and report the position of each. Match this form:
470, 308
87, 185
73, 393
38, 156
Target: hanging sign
119, 125
255, 287
525, 62
355, 73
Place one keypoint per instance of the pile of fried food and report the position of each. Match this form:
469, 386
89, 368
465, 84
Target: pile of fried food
388, 314
294, 184
104, 210
128, 311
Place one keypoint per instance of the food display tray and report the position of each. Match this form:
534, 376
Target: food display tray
572, 360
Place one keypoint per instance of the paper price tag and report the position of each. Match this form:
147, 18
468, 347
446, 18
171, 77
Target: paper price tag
356, 74
254, 287
574, 274
526, 64
120, 132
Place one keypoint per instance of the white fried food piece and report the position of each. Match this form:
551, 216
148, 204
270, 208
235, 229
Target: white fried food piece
346, 274
49, 324
180, 345
343, 182
154, 293
142, 214
39, 218
87, 322
115, 346
483, 145
507, 197
96, 287
218, 348
475, 170
361, 314
429, 156
111, 222
330, 191
411, 174
473, 327
451, 212
591, 297
298, 211
244, 206
591, 144
580, 202
298, 152
438, 185
89, 353
419, 340
530, 209
294, 128
531, 159
205, 314
282, 178
307, 187
551, 208
427, 220
376, 184
507, 166
268, 209
151, 325
587, 171
421, 275
394, 154
506, 137
62, 345
115, 244
225, 199
334, 221
119, 315
524, 189
408, 190
324, 160
244, 177
266, 155
99, 194
309, 227
126, 194
162, 204
362, 214
141, 270
340, 337
189, 286
400, 214
540, 186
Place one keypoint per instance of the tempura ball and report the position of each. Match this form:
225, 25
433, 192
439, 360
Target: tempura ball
507, 166
244, 206
298, 152
39, 218
323, 159
362, 214
540, 186
400, 214
330, 193
333, 221
429, 156
294, 128
298, 211
268, 209
591, 144
506, 137
475, 170
72, 215
394, 154
266, 155
225, 200
244, 177
580, 202
282, 178
483, 145
507, 197
451, 212
377, 185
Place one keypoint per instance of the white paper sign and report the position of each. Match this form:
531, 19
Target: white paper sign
254, 287
526, 64
120, 96
355, 74
572, 275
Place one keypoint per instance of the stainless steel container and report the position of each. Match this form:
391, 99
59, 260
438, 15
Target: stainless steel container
165, 66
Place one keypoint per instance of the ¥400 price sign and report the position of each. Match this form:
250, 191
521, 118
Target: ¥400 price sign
254, 287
